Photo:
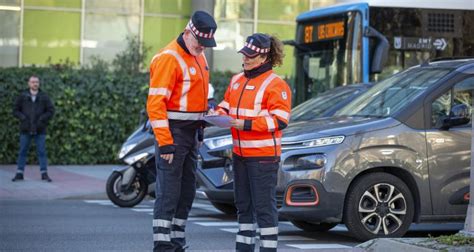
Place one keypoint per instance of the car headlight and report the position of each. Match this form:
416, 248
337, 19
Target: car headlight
125, 149
305, 162
323, 141
216, 142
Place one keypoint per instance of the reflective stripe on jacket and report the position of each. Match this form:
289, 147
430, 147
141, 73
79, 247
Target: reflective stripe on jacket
264, 102
177, 96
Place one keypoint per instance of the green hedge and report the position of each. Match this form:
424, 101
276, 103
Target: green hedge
96, 109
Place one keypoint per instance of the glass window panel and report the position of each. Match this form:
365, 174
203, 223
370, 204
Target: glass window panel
10, 2
159, 31
50, 34
180, 7
105, 34
283, 32
230, 38
281, 10
115, 6
54, 3
9, 38
234, 9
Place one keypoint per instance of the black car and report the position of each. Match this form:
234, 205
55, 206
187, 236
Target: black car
214, 171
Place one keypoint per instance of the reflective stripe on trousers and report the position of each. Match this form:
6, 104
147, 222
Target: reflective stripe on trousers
255, 192
175, 191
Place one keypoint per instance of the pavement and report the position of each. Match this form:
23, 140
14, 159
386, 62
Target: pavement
69, 182
88, 182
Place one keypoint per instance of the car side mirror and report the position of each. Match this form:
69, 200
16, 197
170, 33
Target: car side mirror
459, 115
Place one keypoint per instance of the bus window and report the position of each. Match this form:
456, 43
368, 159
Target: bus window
419, 35
329, 54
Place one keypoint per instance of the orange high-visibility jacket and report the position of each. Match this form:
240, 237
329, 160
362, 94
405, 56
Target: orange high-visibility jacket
264, 102
178, 92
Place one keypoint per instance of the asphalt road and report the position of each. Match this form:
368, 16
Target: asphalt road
97, 225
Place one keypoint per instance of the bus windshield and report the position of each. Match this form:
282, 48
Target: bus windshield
393, 94
329, 54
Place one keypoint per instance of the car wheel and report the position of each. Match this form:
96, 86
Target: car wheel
225, 208
312, 227
378, 205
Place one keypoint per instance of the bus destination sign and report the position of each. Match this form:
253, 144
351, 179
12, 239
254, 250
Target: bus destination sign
324, 31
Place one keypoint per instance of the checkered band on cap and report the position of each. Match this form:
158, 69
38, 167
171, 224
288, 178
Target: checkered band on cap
198, 33
256, 49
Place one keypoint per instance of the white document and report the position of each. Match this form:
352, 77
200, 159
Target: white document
222, 121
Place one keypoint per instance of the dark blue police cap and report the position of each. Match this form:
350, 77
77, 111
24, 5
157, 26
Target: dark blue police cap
257, 43
203, 26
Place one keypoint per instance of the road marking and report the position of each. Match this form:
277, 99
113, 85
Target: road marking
203, 219
218, 224
101, 202
145, 210
319, 246
230, 230
339, 228
280, 237
294, 238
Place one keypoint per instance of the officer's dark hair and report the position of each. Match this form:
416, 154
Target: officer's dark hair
276, 55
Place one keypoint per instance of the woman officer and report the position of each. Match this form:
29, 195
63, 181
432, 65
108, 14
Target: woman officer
260, 103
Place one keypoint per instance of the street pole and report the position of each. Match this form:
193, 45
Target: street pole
469, 223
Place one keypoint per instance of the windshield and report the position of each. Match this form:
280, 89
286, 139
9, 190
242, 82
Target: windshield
328, 54
391, 95
319, 105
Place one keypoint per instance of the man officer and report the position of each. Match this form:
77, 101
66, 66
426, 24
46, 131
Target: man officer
177, 102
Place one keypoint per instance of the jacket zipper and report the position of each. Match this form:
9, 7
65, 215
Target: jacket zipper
238, 107
203, 85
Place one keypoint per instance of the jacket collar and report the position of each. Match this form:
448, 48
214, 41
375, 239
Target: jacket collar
258, 70
181, 43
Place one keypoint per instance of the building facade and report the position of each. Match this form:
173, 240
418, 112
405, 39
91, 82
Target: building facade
40, 32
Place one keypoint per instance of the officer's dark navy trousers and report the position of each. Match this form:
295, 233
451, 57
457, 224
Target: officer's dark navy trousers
175, 191
255, 199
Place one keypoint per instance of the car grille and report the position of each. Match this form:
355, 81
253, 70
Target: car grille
279, 198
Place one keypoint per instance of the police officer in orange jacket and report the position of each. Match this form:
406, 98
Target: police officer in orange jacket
260, 103
177, 101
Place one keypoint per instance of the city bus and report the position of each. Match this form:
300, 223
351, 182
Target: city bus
367, 41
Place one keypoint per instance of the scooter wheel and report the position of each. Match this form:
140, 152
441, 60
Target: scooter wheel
125, 198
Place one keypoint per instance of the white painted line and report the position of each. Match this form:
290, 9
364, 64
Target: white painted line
98, 201
218, 224
201, 205
141, 206
280, 237
143, 210
150, 213
285, 222
294, 238
339, 228
230, 230
101, 202
202, 219
318, 246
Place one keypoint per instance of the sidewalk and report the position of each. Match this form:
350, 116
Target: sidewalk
69, 182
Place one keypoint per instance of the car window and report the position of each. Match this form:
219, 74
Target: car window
320, 104
462, 94
393, 94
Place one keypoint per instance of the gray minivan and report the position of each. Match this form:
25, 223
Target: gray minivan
399, 153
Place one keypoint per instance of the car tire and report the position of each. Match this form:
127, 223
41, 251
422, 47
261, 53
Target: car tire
388, 215
225, 208
312, 227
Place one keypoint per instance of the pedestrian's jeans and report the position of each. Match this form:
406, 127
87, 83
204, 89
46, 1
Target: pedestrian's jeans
25, 140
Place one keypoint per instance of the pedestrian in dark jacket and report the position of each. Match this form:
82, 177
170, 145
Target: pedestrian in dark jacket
34, 109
